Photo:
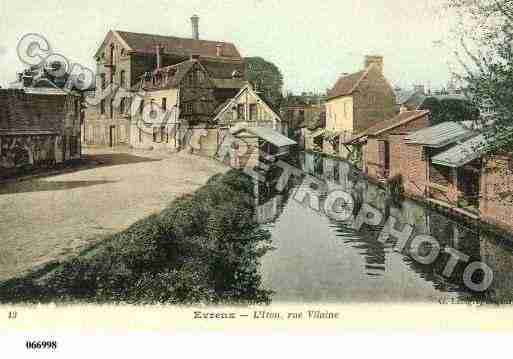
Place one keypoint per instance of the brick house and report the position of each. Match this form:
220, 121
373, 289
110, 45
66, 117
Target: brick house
481, 184
124, 57
420, 176
379, 145
357, 102
39, 127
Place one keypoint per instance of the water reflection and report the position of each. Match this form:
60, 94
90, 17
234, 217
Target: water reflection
321, 260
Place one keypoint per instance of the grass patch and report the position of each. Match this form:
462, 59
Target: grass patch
202, 248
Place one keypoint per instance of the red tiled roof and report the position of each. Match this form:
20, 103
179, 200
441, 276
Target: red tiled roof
399, 120
347, 84
146, 43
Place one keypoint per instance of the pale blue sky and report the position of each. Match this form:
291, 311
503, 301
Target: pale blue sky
311, 42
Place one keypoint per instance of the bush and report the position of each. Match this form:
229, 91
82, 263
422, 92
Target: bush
204, 247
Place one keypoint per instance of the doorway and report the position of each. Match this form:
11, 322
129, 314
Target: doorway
111, 136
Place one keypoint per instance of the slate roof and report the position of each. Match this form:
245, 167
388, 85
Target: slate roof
171, 76
146, 43
440, 135
265, 133
462, 153
229, 83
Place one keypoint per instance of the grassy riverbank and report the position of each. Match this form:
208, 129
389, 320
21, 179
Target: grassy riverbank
203, 248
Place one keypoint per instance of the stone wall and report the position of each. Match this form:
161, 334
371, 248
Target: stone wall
496, 202
37, 130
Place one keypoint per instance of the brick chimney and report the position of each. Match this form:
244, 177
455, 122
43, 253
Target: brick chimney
374, 59
195, 27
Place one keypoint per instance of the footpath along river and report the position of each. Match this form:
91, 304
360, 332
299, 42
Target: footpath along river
319, 260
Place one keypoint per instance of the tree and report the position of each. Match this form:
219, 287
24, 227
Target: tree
450, 109
265, 77
485, 33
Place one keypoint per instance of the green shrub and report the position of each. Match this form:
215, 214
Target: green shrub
203, 247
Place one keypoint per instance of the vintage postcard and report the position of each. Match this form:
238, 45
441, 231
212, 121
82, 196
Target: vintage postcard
255, 165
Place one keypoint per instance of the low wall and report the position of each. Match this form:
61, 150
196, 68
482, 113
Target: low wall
25, 151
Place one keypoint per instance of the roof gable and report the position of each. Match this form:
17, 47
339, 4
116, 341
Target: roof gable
226, 106
108, 38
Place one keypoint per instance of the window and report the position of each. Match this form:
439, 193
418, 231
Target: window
164, 103
112, 108
140, 135
240, 111
189, 107
122, 106
122, 78
301, 114
142, 107
102, 107
103, 81
253, 112
200, 76
155, 133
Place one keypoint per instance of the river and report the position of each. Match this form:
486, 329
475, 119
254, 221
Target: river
320, 260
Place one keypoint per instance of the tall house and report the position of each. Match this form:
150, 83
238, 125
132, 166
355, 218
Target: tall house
124, 57
356, 102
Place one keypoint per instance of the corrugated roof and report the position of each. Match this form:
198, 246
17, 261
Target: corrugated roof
265, 133
440, 135
462, 153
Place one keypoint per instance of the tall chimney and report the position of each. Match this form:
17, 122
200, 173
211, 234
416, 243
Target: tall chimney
195, 27
374, 59
159, 57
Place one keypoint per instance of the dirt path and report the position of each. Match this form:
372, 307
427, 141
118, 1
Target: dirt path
54, 217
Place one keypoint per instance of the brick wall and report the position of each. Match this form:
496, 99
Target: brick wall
374, 101
496, 203
413, 169
374, 162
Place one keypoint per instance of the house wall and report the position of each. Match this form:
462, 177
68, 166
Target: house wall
37, 130
496, 203
264, 117
395, 137
413, 167
97, 126
373, 101
339, 114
